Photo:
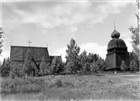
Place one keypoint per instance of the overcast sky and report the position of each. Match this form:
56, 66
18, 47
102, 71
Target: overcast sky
55, 22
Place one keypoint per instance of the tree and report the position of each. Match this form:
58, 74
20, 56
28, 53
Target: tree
94, 67
123, 66
90, 57
96, 57
1, 41
72, 57
44, 67
83, 58
47, 70
133, 65
57, 65
135, 36
29, 69
101, 64
16, 70
86, 68
5, 68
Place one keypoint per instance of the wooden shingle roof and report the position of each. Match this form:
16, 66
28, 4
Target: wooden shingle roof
18, 53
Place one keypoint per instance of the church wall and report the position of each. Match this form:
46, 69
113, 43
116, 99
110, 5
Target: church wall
110, 61
120, 57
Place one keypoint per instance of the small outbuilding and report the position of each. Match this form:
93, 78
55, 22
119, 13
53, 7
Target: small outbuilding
116, 52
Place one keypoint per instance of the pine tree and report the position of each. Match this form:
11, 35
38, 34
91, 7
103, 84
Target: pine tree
83, 58
44, 67
28, 68
57, 66
5, 68
72, 58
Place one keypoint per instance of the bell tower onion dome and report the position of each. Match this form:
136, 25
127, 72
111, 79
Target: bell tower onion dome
116, 42
115, 34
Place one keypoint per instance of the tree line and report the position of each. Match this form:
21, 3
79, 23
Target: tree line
76, 63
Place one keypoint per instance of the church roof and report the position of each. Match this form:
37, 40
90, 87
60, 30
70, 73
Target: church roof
18, 53
116, 42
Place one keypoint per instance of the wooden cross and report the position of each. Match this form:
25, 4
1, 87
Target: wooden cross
29, 42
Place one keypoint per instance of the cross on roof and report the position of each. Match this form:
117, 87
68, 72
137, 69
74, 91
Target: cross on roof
29, 42
114, 26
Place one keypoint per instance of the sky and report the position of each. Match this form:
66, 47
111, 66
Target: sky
52, 24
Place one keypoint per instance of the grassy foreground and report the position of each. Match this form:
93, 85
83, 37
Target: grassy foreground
72, 87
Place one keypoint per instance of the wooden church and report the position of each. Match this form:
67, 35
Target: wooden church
18, 54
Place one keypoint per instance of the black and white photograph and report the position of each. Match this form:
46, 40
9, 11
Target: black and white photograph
69, 50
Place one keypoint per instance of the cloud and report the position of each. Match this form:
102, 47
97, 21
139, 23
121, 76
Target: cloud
90, 47
94, 48
54, 14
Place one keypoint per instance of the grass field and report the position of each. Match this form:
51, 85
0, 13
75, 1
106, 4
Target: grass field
117, 86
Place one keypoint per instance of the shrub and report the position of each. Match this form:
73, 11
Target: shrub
123, 66
101, 64
44, 67
56, 83
21, 85
86, 68
16, 70
5, 68
133, 65
94, 67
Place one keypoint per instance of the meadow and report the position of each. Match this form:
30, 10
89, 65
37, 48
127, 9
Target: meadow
113, 86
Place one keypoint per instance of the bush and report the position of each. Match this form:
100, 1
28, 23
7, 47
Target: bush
101, 64
86, 68
133, 65
16, 70
21, 85
5, 68
44, 67
94, 67
10, 85
123, 66
56, 83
